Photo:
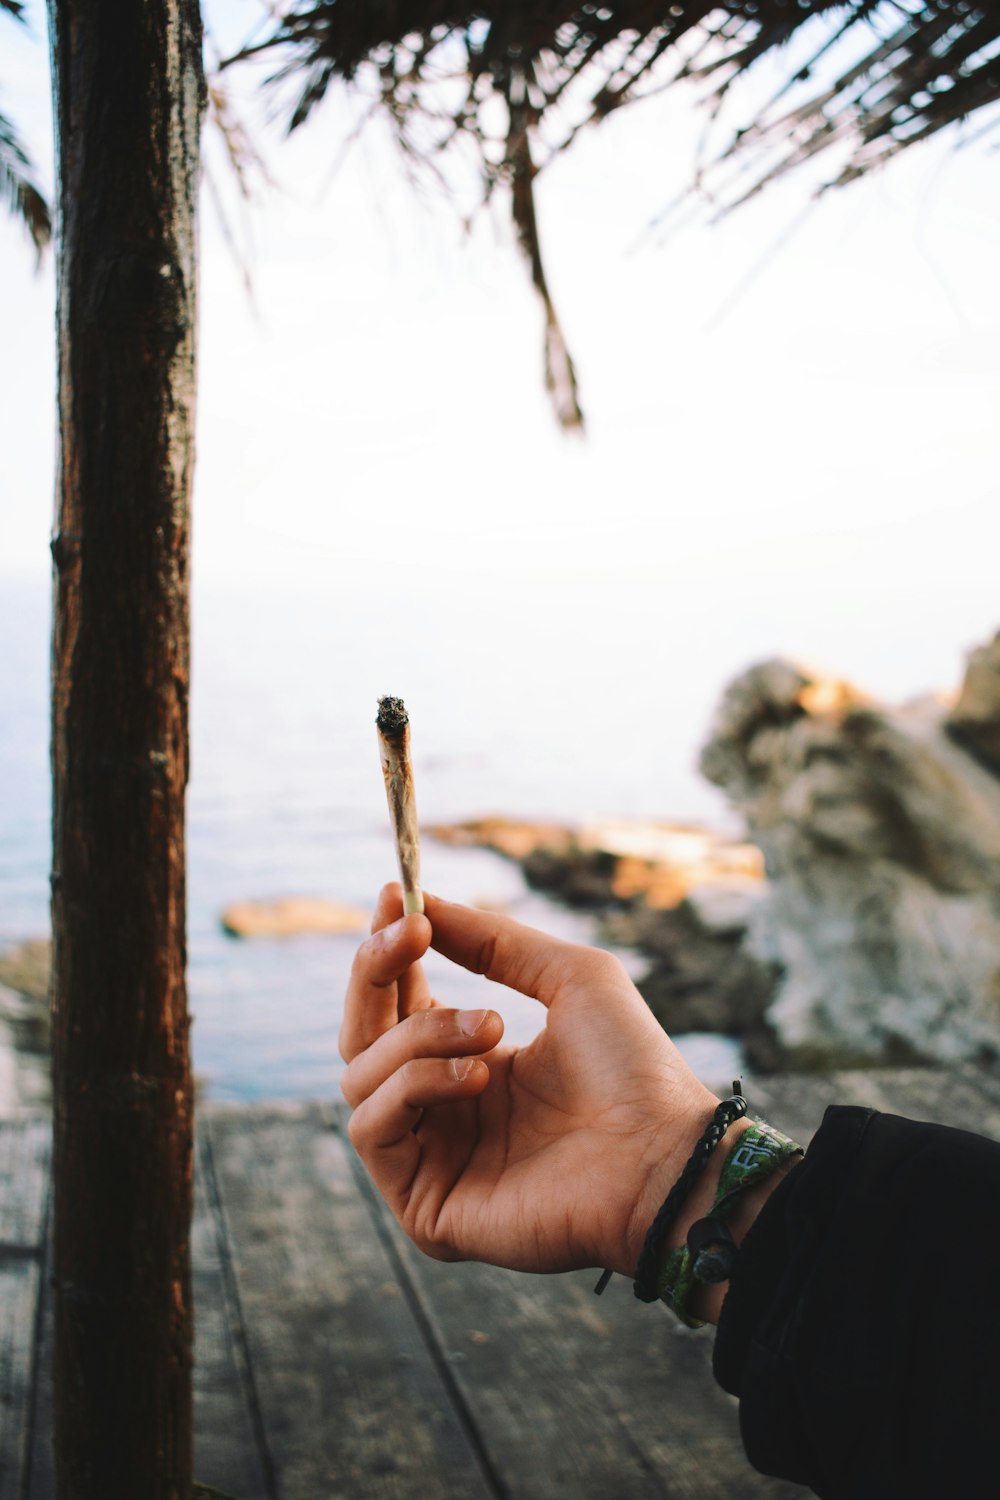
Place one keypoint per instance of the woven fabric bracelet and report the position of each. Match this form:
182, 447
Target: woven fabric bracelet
710, 1252
649, 1261
646, 1272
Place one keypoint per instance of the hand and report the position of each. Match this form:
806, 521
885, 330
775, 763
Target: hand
541, 1158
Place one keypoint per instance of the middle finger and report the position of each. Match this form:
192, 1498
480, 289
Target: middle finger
429, 1033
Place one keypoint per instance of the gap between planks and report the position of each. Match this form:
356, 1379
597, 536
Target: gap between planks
234, 1320
414, 1300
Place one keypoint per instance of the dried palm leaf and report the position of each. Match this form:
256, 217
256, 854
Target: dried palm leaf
444, 73
16, 187
23, 198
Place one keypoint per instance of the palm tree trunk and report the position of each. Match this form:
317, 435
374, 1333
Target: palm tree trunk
129, 93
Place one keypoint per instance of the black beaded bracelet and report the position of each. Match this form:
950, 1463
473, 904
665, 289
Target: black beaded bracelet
645, 1288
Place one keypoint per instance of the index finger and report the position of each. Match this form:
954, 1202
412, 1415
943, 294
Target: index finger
520, 957
371, 1004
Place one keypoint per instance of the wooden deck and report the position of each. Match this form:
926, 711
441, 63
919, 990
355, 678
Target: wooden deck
334, 1361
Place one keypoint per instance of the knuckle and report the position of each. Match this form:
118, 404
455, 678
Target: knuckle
420, 1023
361, 962
429, 1240
348, 1090
437, 1251
605, 968
409, 1076
487, 957
440, 1024
389, 898
355, 1129
345, 1043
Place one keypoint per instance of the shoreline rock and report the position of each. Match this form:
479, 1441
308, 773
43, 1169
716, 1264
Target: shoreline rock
880, 829
25, 1028
679, 894
974, 718
292, 916
860, 925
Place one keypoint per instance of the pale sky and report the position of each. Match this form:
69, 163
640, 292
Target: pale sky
829, 425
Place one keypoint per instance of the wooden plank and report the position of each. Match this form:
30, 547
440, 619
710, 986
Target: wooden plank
985, 1080
513, 1348
575, 1395
659, 1374
966, 1097
226, 1455
659, 1378
352, 1400
19, 1286
586, 1397
681, 1428
25, 1154
332, 1359
228, 1452
41, 1473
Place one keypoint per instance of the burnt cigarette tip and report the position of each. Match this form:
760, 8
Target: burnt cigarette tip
392, 716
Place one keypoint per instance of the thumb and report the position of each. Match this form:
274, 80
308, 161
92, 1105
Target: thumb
508, 952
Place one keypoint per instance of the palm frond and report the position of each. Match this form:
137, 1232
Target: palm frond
22, 197
520, 78
243, 166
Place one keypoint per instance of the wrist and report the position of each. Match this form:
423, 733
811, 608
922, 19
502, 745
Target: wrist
704, 1302
663, 1162
707, 1298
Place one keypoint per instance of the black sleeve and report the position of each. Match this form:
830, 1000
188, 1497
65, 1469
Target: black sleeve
861, 1330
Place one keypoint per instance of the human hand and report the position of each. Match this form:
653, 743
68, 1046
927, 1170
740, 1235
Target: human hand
540, 1158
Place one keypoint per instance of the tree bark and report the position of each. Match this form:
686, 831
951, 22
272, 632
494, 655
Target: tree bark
129, 93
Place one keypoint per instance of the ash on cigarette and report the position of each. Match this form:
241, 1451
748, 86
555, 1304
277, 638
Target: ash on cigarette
392, 716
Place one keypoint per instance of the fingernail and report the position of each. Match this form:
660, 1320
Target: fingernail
469, 1021
461, 1067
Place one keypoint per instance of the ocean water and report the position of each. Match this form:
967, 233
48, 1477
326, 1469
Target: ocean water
532, 693
529, 707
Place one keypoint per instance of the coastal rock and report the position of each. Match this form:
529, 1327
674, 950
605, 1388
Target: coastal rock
974, 721
881, 840
27, 967
24, 993
25, 1030
698, 979
680, 894
514, 839
614, 861
291, 917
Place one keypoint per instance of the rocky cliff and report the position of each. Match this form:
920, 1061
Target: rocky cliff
880, 831
860, 921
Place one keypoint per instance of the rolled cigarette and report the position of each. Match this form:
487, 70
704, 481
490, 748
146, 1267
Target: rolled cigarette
393, 726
